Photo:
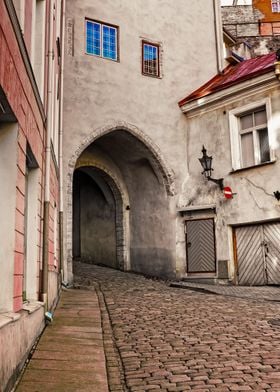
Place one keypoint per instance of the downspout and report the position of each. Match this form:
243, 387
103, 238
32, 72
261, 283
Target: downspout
48, 160
218, 35
60, 154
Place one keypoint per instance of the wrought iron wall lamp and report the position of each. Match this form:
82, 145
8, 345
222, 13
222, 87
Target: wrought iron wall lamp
277, 195
206, 163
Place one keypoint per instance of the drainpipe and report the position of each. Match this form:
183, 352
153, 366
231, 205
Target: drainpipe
60, 157
218, 35
48, 160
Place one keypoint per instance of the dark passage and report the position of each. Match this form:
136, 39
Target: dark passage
94, 219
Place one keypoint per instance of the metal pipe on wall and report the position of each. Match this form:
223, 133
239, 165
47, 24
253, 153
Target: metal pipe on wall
50, 55
60, 157
218, 35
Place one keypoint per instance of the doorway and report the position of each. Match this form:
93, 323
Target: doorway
258, 254
94, 219
200, 246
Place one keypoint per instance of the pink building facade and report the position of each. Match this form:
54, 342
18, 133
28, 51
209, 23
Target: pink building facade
30, 208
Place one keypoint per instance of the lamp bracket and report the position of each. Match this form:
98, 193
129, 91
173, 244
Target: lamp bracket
219, 181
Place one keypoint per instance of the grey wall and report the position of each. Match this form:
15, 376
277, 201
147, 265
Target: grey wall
101, 94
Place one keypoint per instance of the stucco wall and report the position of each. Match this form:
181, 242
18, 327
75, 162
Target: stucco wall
16, 340
99, 92
253, 199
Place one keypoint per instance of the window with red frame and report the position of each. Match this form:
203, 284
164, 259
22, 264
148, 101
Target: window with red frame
150, 59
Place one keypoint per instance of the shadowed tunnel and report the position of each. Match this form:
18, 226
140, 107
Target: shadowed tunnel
121, 214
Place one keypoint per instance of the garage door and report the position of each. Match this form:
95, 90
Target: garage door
258, 254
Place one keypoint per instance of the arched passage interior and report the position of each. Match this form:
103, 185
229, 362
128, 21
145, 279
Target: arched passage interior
103, 235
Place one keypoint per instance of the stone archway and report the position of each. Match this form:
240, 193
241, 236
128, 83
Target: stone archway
121, 202
148, 155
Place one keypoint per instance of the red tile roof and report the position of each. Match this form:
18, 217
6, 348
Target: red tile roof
234, 74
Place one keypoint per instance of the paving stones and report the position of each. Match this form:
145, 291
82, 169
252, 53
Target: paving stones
178, 340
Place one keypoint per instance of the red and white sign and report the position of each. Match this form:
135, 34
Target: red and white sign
227, 192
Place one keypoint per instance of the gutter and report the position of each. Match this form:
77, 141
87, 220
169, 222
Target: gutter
60, 138
48, 160
218, 35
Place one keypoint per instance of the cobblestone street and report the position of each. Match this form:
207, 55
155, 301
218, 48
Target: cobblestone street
171, 339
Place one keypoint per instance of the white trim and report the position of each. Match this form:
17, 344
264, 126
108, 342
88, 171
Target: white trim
234, 130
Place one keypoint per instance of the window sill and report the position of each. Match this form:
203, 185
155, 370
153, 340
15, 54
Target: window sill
152, 76
252, 167
31, 307
7, 318
10, 317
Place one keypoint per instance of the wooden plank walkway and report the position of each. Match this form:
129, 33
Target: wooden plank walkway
70, 354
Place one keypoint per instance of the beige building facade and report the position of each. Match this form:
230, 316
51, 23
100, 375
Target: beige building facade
125, 144
236, 118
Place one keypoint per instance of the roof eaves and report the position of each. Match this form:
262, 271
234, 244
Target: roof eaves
194, 96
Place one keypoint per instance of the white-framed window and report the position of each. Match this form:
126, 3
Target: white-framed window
250, 133
101, 40
150, 59
275, 5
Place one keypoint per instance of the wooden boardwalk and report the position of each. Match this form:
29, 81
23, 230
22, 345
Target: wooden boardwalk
70, 354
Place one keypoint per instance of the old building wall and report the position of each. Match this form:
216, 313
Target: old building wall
255, 24
253, 200
99, 92
25, 228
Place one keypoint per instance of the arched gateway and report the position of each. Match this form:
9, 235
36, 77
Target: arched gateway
118, 212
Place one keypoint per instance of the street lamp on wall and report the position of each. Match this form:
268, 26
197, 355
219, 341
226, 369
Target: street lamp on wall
277, 195
206, 163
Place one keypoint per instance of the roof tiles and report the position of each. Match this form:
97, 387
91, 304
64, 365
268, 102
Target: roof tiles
232, 75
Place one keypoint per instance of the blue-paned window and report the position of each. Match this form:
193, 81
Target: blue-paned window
150, 61
101, 40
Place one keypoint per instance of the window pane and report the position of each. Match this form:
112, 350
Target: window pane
109, 42
93, 38
260, 117
246, 121
150, 60
264, 145
247, 146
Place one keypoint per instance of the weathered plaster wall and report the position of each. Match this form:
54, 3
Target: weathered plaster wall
16, 340
254, 200
99, 92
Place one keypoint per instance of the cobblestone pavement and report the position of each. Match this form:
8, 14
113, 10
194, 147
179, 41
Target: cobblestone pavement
268, 293
170, 339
